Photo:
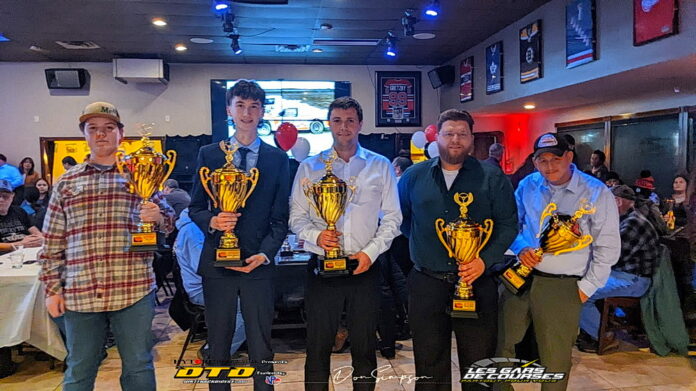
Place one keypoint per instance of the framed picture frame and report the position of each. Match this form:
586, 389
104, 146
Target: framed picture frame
494, 68
531, 66
581, 34
398, 99
654, 20
466, 80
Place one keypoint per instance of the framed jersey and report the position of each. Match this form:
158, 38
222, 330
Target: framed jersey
398, 99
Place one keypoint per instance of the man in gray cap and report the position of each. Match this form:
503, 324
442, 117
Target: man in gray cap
16, 228
630, 276
495, 154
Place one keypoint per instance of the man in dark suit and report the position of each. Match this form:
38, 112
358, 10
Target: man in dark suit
261, 227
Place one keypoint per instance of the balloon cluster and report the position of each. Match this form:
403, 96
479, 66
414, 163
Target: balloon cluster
425, 140
286, 139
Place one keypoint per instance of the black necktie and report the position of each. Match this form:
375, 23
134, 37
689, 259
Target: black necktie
243, 157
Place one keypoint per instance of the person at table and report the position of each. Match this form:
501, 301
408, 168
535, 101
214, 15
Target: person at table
678, 203
26, 168
44, 192
16, 228
89, 275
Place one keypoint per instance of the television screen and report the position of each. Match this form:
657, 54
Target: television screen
302, 103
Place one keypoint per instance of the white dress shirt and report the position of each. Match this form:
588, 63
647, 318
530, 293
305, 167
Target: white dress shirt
372, 218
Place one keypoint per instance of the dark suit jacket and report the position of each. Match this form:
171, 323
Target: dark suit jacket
263, 225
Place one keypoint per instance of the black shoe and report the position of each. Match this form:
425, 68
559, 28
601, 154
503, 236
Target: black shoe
8, 369
388, 353
586, 343
203, 353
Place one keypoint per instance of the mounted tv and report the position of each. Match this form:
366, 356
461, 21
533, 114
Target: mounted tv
302, 103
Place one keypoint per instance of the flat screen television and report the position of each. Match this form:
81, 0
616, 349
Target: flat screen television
302, 103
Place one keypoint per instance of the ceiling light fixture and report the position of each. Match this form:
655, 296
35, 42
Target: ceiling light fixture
228, 22
408, 21
433, 9
201, 40
317, 50
529, 106
180, 47
235, 43
159, 22
325, 26
391, 45
220, 5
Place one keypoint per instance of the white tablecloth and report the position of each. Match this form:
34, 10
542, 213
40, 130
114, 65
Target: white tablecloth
23, 315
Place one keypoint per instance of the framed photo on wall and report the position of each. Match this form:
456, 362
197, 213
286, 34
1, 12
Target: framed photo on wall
466, 80
530, 52
654, 19
494, 68
398, 100
581, 37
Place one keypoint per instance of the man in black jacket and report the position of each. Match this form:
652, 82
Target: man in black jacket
261, 227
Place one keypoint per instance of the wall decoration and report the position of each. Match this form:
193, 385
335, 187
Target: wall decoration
398, 99
654, 19
581, 37
466, 80
494, 68
530, 52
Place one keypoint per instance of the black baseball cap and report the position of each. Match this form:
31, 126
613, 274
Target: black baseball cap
551, 142
5, 186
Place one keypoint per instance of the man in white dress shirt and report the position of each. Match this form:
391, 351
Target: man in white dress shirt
366, 229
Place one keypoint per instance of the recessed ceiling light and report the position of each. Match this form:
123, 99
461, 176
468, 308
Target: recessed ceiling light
317, 50
326, 26
201, 40
529, 106
424, 36
159, 22
3, 38
180, 47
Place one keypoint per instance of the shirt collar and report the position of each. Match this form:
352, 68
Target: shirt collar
468, 163
254, 146
360, 152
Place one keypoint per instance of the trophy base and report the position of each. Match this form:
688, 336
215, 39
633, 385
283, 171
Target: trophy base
335, 267
228, 257
143, 242
462, 308
513, 282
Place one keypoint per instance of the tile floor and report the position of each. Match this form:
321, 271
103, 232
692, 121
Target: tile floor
631, 370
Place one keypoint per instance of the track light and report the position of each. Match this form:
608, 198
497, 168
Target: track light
220, 5
408, 21
235, 43
433, 9
228, 22
391, 45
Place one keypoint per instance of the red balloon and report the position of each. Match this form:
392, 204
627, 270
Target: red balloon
286, 135
431, 133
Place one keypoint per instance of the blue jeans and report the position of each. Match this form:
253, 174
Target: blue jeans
239, 332
620, 284
132, 329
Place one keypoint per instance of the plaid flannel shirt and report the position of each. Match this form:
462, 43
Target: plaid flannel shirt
87, 227
639, 245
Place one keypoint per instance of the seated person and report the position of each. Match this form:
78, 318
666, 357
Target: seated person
631, 275
34, 208
188, 246
16, 228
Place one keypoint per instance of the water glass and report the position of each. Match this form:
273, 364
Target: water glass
16, 259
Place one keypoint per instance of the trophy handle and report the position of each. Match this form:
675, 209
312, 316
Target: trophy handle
353, 188
204, 173
439, 229
171, 161
253, 178
120, 164
580, 244
547, 212
487, 231
307, 189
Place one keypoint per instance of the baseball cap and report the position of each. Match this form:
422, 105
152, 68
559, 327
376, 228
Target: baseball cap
5, 186
624, 191
551, 142
646, 183
100, 109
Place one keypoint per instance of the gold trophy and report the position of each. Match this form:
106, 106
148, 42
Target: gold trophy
669, 216
329, 198
229, 189
145, 171
463, 239
560, 235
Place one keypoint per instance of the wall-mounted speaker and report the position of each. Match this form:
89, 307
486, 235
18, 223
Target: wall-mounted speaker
66, 78
441, 76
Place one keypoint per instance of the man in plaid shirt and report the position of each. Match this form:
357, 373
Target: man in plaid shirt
631, 275
90, 277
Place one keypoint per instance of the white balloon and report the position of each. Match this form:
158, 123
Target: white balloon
433, 151
418, 139
300, 150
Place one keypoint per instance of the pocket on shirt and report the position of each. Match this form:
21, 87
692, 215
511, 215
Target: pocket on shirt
367, 194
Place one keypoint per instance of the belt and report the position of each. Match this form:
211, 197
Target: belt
549, 275
450, 277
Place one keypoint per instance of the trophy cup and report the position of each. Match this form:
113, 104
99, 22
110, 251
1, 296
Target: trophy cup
669, 216
329, 197
145, 171
229, 189
560, 235
463, 239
